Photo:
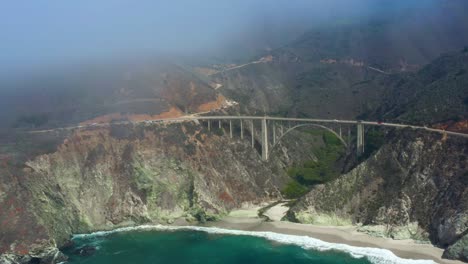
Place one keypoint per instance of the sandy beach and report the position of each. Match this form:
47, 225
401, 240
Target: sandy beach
247, 219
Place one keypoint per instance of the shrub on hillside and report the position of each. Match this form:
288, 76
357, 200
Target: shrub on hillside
330, 139
218, 131
374, 140
294, 190
316, 171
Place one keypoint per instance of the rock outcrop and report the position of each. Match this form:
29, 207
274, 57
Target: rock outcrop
103, 178
415, 186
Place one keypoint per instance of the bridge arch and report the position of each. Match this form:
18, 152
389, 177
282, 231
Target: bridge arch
307, 125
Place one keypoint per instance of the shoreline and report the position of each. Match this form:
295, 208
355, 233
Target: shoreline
348, 235
307, 236
247, 219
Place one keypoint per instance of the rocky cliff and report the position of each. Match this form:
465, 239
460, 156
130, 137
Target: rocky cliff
102, 178
415, 186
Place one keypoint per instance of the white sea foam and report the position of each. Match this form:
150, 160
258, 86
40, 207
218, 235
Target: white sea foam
374, 255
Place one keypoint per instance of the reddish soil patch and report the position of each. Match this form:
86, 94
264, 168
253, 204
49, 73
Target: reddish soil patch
172, 113
460, 126
213, 105
226, 197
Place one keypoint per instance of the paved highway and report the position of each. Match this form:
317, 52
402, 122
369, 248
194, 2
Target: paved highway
285, 119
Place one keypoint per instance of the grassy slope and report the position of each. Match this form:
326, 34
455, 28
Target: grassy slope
304, 176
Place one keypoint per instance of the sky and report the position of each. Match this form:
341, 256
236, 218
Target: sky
45, 32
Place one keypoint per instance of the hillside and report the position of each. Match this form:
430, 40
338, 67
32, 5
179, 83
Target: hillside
408, 184
102, 178
335, 70
436, 94
134, 90
324, 75
414, 187
342, 70
288, 86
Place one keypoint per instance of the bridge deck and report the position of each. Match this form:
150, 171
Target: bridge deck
268, 118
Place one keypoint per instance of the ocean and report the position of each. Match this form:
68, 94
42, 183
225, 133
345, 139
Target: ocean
205, 245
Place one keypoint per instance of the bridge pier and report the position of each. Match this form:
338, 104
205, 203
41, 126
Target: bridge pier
219, 124
363, 139
264, 139
360, 139
252, 132
242, 129
209, 125
230, 128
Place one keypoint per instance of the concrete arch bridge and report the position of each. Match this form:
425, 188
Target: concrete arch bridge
273, 129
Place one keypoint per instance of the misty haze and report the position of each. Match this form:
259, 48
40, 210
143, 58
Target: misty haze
249, 131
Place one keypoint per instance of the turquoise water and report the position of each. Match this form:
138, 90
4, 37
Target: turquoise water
185, 246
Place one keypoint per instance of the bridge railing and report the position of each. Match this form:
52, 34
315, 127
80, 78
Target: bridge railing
266, 120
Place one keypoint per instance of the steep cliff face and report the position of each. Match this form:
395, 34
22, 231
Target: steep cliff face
106, 177
415, 186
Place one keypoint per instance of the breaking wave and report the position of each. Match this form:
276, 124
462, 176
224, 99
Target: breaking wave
374, 255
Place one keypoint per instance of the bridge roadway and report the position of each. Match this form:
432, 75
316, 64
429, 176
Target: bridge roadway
268, 118
267, 121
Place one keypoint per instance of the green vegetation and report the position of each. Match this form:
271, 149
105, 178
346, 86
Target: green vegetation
315, 172
374, 140
218, 131
435, 94
294, 189
199, 214
190, 148
143, 177
22, 147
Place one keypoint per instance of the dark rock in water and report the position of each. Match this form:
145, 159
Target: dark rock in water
67, 245
85, 251
49, 255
